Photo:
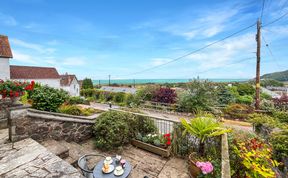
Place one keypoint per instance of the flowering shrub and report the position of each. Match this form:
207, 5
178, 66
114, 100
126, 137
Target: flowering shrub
206, 167
255, 156
14, 89
156, 139
165, 95
282, 102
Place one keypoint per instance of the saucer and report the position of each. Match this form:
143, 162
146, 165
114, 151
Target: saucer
119, 173
111, 168
108, 162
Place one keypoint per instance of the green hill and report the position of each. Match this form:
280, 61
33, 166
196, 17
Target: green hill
280, 76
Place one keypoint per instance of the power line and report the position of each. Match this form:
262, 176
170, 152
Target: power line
195, 51
263, 6
275, 20
273, 57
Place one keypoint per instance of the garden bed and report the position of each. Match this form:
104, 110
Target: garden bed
154, 149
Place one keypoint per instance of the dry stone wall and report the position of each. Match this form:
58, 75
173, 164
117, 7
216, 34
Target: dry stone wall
42, 125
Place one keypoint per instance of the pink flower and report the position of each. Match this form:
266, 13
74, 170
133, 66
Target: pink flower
206, 167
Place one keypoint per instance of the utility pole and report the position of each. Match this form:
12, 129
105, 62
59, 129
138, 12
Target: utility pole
258, 54
134, 82
109, 79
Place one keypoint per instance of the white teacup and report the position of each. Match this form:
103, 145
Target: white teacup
119, 170
108, 160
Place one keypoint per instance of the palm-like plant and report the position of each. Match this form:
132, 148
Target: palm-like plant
203, 127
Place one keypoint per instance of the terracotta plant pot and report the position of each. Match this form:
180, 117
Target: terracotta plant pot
194, 171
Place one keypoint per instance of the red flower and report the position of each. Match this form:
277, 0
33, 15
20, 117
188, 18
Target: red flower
168, 143
16, 94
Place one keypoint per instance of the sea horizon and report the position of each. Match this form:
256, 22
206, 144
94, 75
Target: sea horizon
159, 81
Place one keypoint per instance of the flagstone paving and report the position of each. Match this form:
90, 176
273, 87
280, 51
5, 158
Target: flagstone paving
143, 163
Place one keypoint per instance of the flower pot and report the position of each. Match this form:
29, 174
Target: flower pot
154, 149
194, 171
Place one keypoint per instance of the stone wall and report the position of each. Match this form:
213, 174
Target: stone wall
41, 125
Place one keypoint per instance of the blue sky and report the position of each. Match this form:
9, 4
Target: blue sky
97, 38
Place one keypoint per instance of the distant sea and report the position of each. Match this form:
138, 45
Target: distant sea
160, 81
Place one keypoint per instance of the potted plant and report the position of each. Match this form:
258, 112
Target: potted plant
201, 127
155, 143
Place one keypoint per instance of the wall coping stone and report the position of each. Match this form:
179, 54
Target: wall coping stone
19, 107
92, 117
52, 116
225, 162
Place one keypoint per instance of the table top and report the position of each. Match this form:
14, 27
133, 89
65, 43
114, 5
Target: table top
97, 171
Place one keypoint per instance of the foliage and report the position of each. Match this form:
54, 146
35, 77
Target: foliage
146, 93
87, 83
87, 92
238, 111
271, 82
119, 97
155, 139
164, 95
245, 89
255, 158
245, 99
200, 95
225, 96
76, 100
279, 141
265, 96
13, 89
48, 99
203, 127
266, 105
282, 102
113, 129
260, 120
282, 116
70, 109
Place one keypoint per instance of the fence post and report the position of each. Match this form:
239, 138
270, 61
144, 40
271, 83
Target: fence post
225, 162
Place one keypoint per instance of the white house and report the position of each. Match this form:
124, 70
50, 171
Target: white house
43, 75
5, 55
70, 84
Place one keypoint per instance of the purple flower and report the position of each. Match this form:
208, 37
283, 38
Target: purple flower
206, 167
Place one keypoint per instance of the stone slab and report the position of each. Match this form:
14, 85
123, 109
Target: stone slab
27, 158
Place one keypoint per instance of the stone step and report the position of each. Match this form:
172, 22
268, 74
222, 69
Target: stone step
58, 149
4, 136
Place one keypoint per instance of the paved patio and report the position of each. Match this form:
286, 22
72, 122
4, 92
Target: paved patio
27, 158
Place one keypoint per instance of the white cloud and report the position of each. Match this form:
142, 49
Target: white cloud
7, 20
22, 57
33, 46
74, 61
159, 61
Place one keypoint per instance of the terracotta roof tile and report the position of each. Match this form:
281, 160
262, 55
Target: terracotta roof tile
29, 72
66, 79
5, 50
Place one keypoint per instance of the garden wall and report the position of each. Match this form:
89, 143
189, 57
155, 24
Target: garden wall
40, 125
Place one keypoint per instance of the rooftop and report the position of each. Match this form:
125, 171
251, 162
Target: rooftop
119, 89
66, 79
29, 72
5, 50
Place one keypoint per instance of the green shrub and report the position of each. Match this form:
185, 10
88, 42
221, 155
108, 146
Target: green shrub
87, 92
225, 96
282, 116
200, 95
119, 97
48, 99
279, 141
130, 100
87, 83
113, 129
77, 100
238, 111
70, 109
89, 111
265, 96
246, 99
245, 89
260, 120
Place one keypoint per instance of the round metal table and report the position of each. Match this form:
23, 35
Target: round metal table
97, 171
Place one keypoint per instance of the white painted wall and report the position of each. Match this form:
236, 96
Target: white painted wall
73, 89
55, 83
4, 69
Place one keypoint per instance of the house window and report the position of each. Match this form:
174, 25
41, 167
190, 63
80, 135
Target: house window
74, 87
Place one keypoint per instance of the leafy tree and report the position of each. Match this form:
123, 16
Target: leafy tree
245, 89
225, 96
200, 95
271, 82
146, 93
87, 83
165, 95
